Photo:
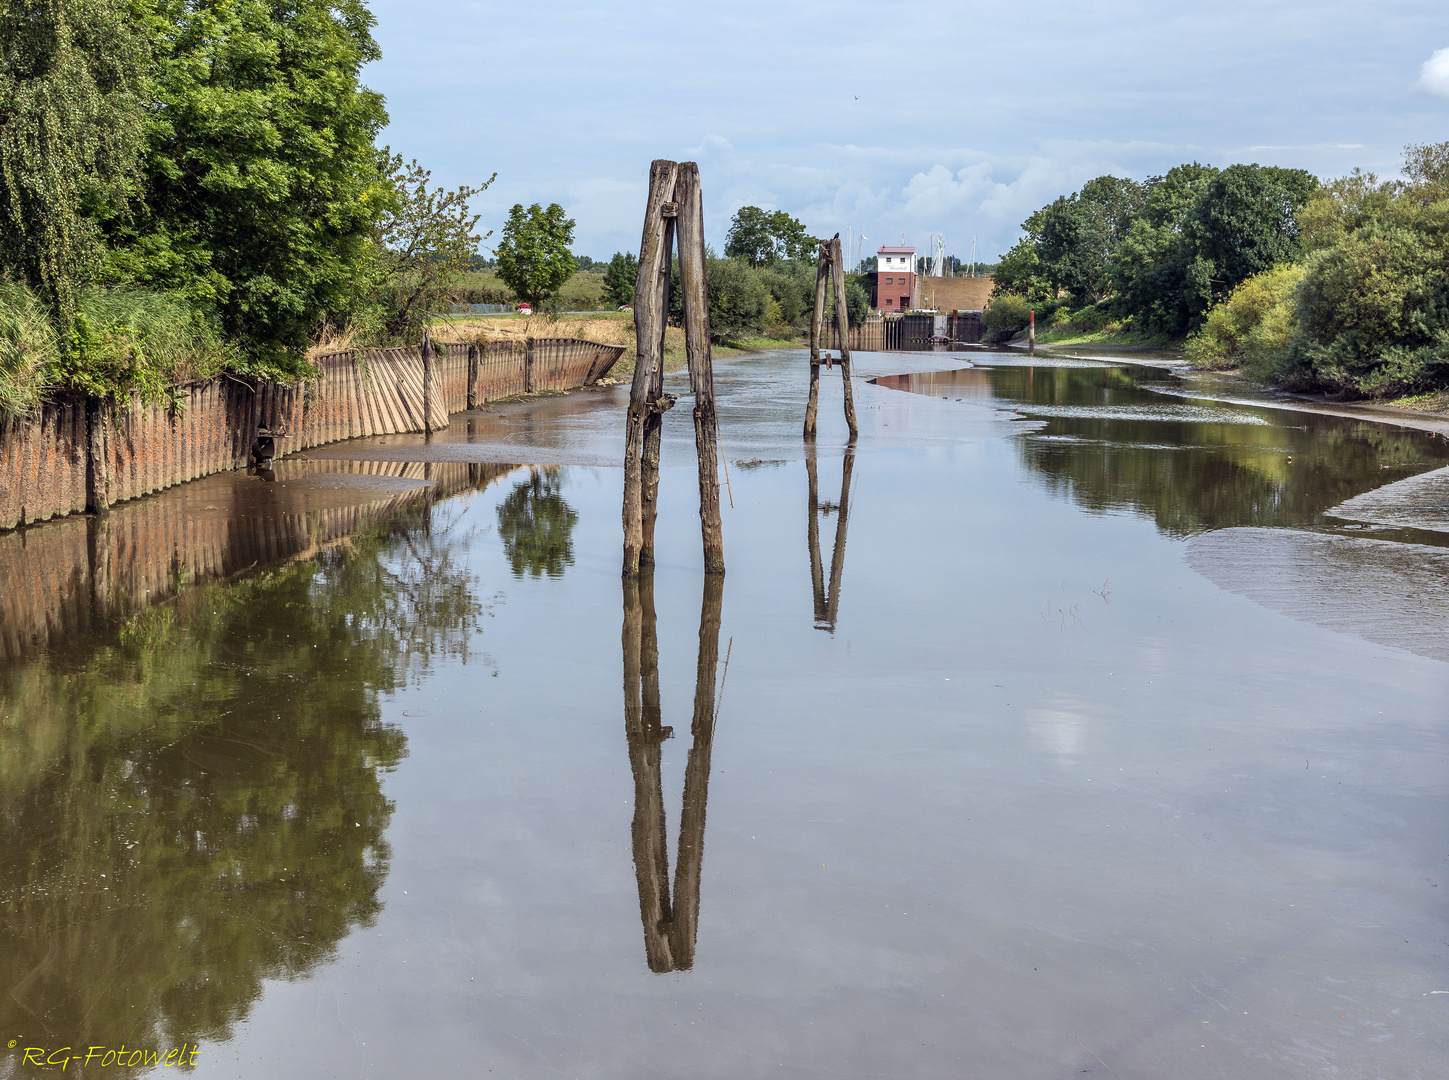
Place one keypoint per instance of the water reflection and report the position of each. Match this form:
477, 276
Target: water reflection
191, 803
827, 604
670, 923
1135, 438
537, 525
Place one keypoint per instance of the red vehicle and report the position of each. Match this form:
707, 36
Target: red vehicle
525, 308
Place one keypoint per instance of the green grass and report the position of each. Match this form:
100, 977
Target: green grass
1107, 337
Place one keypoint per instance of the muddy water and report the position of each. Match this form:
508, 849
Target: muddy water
1031, 738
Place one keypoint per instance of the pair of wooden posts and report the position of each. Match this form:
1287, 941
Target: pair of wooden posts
675, 208
831, 264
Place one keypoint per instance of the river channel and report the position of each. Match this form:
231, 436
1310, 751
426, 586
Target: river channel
1080, 718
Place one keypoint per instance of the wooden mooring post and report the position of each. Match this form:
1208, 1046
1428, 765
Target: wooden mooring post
427, 384
674, 208
831, 263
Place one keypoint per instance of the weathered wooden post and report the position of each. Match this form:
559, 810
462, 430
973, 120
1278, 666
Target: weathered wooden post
832, 262
1031, 330
674, 200
650, 315
427, 384
701, 366
472, 376
812, 405
98, 470
842, 319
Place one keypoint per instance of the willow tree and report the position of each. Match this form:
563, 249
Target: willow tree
71, 94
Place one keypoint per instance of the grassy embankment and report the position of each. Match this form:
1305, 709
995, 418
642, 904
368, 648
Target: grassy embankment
606, 327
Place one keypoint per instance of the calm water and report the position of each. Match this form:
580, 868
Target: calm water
1058, 728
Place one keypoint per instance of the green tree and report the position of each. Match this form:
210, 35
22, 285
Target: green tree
738, 297
533, 254
72, 83
1079, 235
761, 237
1245, 221
1160, 281
263, 187
620, 278
425, 242
857, 303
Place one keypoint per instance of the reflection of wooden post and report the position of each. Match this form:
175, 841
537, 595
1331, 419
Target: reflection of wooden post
817, 319
837, 557
650, 316
670, 924
641, 726
827, 604
837, 276
812, 538
701, 367
690, 859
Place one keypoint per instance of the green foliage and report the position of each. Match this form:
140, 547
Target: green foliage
263, 189
620, 278
857, 303
1254, 328
533, 255
1007, 314
71, 101
1374, 309
536, 526
738, 297
27, 344
1079, 235
761, 237
1160, 280
1245, 221
425, 241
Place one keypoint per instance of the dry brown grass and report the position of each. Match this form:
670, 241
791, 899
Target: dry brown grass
606, 329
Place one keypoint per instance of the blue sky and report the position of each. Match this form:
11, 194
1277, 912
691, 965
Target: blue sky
894, 118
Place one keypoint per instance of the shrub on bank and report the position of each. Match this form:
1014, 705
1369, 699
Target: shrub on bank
1252, 329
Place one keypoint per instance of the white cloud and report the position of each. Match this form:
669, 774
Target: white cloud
1434, 76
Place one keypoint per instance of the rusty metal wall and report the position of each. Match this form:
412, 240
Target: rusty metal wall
45, 468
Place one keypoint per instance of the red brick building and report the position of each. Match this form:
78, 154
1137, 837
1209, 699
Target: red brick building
893, 285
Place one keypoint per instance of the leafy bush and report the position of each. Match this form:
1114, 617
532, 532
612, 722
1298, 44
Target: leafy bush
1253, 328
738, 298
1007, 313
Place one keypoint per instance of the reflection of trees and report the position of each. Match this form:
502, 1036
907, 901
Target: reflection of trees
537, 526
827, 604
670, 923
194, 805
1195, 475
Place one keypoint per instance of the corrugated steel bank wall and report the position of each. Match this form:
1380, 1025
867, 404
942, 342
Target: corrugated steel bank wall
77, 455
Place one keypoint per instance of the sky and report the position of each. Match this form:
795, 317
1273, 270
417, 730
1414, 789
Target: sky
894, 120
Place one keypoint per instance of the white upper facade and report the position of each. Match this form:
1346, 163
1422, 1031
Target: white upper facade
900, 260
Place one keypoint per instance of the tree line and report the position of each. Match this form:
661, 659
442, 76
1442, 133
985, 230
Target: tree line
189, 187
1341, 286
764, 283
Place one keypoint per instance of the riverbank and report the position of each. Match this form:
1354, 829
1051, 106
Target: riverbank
607, 328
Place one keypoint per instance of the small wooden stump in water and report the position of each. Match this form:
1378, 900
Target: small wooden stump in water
674, 206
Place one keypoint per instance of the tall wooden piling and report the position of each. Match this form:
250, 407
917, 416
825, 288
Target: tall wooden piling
701, 366
674, 206
832, 262
427, 384
842, 319
650, 316
817, 327
98, 466
827, 601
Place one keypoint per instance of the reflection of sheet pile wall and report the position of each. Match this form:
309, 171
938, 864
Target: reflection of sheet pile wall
74, 454
75, 574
